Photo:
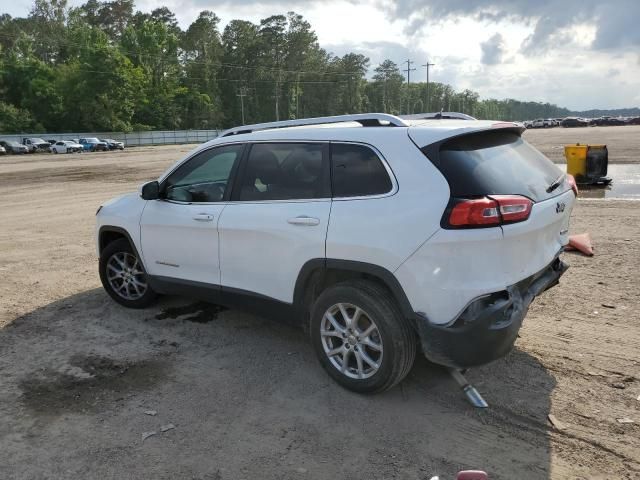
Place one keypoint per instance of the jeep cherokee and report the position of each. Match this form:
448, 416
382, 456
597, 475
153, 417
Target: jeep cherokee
380, 235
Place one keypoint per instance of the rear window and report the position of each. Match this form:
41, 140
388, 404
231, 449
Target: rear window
495, 163
357, 171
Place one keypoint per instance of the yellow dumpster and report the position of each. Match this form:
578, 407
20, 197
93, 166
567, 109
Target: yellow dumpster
587, 163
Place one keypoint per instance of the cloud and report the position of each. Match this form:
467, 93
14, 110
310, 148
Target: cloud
615, 21
493, 50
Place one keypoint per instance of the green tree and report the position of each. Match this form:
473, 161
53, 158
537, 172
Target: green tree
202, 48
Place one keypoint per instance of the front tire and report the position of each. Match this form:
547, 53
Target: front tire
361, 337
123, 276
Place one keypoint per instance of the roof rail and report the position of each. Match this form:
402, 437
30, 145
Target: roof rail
365, 119
438, 116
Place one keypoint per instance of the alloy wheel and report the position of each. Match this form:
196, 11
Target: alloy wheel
126, 276
351, 340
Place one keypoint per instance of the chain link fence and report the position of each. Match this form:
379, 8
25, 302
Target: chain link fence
132, 139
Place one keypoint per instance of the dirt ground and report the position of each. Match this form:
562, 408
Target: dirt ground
83, 379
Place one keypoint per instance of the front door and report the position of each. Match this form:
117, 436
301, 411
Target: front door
179, 231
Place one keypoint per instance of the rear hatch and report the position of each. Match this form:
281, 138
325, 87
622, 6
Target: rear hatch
498, 180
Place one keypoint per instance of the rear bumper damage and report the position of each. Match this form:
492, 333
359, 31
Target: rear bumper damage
488, 327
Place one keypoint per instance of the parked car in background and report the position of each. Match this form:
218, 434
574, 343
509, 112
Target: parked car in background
527, 123
113, 144
66, 146
571, 122
3, 151
92, 144
633, 121
35, 144
13, 147
538, 123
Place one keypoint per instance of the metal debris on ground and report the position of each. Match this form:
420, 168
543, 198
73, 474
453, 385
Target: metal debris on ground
606, 305
625, 420
146, 435
152, 413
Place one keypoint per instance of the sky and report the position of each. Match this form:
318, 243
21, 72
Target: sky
579, 54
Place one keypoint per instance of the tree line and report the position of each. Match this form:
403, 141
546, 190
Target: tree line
103, 66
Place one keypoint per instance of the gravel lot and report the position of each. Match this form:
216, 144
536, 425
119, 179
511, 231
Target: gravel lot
80, 376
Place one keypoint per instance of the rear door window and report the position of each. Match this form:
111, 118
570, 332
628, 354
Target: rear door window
495, 162
357, 171
285, 171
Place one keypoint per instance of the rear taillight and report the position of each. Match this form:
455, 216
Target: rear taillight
574, 186
513, 208
479, 211
489, 211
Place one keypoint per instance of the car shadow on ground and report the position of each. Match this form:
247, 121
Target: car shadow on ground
242, 397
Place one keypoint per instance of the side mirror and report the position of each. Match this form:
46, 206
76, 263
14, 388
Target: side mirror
150, 191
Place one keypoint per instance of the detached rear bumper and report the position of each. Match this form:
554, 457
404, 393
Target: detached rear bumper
488, 327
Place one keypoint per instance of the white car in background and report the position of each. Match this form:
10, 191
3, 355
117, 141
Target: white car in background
377, 234
66, 146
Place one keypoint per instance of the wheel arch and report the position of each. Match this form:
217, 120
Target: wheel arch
318, 274
110, 233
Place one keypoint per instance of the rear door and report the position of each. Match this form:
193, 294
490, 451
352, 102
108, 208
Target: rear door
277, 219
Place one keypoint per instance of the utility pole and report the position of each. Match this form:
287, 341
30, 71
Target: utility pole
277, 95
298, 95
409, 70
242, 94
427, 104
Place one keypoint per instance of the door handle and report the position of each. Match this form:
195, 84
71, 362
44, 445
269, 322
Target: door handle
203, 217
304, 220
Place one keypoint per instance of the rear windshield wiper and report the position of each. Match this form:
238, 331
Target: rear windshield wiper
557, 182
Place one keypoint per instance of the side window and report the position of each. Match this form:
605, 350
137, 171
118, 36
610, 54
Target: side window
285, 171
205, 177
357, 171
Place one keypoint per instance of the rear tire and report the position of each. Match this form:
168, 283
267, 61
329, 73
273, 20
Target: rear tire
361, 337
123, 276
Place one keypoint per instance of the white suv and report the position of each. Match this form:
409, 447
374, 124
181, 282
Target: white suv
376, 233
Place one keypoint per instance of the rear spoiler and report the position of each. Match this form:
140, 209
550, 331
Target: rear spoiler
432, 150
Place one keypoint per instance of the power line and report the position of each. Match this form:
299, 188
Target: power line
132, 54
301, 82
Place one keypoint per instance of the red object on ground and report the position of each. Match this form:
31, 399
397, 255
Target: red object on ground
472, 475
582, 243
